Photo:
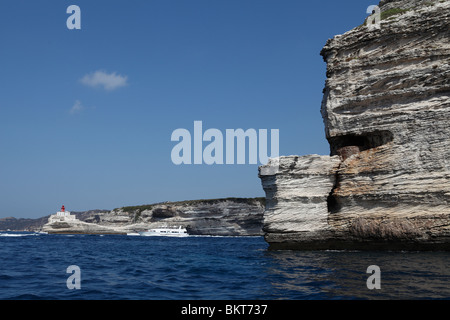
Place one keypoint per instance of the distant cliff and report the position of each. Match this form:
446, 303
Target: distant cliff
22, 224
386, 110
228, 216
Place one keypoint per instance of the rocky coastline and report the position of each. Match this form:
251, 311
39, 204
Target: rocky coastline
386, 111
216, 217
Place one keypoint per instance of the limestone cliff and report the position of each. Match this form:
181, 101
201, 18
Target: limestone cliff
225, 217
386, 110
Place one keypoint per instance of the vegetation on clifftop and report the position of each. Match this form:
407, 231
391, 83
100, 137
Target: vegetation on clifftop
390, 13
144, 207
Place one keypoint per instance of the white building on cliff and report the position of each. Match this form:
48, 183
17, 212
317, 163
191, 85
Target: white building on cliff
61, 216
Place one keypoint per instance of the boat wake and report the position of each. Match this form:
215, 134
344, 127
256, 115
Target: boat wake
18, 234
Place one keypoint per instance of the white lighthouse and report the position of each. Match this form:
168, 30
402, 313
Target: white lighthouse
61, 216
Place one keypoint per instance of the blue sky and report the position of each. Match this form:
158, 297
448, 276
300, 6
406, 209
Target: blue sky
86, 116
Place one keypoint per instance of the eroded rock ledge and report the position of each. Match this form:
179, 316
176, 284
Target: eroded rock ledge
386, 110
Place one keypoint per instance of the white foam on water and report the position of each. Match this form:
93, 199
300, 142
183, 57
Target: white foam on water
17, 234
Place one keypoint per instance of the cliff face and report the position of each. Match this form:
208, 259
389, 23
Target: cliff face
386, 110
225, 217
22, 224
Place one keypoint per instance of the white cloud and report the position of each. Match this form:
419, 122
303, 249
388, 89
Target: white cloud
109, 81
76, 108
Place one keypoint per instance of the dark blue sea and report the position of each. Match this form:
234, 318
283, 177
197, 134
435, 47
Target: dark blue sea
34, 266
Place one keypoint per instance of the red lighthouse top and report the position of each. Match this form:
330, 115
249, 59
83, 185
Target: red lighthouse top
63, 209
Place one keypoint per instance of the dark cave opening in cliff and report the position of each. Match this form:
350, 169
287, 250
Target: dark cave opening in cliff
333, 204
349, 144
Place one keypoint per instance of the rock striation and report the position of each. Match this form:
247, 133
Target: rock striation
386, 111
79, 227
219, 217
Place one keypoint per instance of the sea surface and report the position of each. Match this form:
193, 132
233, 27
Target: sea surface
34, 266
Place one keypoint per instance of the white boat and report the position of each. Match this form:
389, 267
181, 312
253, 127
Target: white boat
166, 232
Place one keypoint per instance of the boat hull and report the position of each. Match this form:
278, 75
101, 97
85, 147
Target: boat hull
165, 232
156, 234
